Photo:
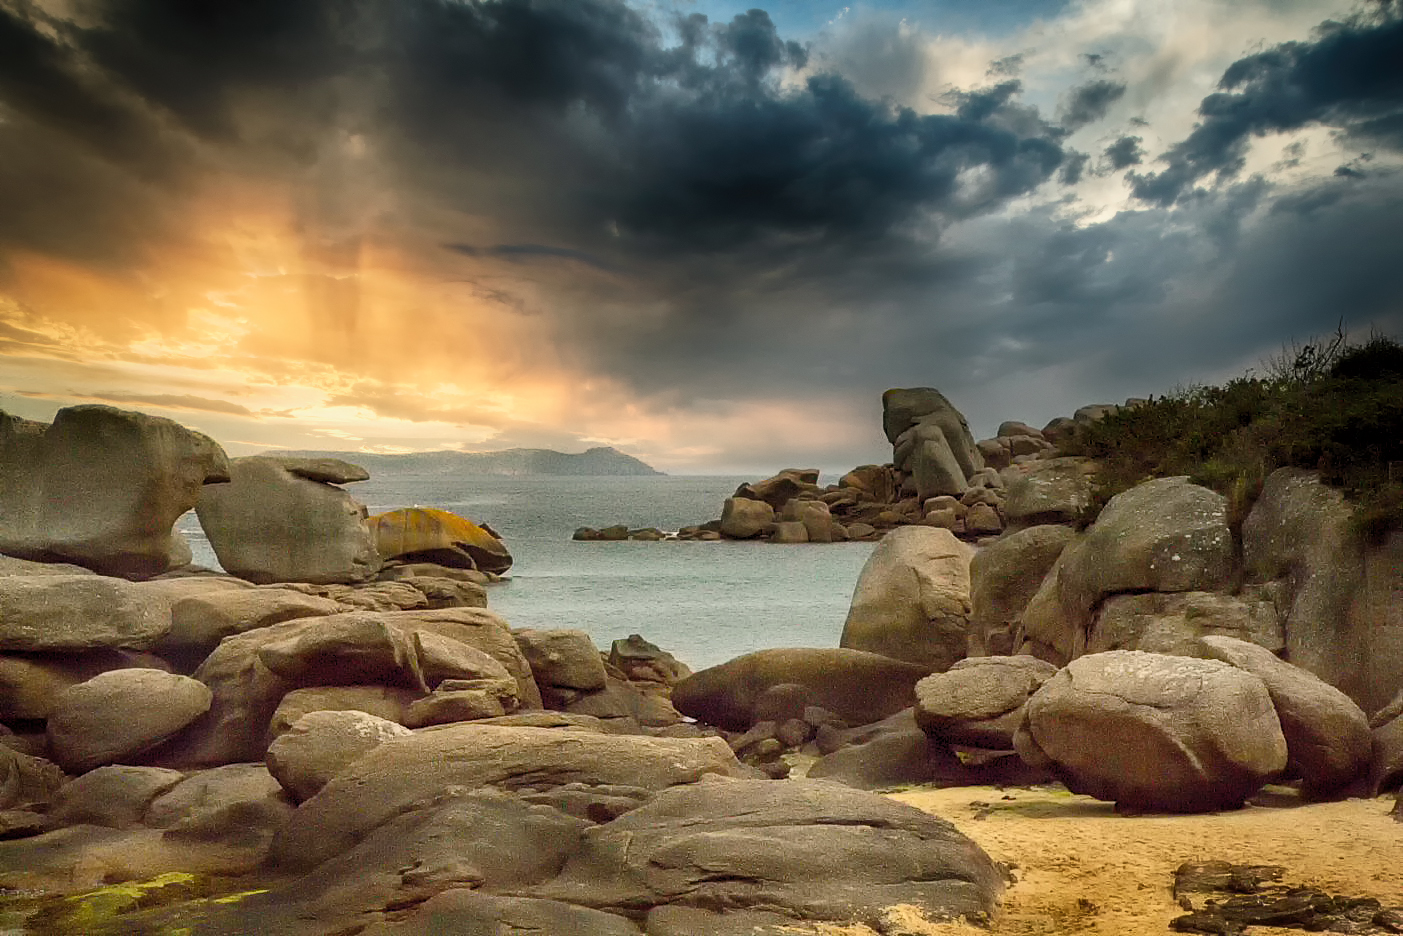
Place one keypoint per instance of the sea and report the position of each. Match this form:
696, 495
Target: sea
705, 602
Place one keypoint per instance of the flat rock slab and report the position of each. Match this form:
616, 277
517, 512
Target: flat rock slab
1241, 896
66, 613
325, 470
467, 911
805, 848
397, 775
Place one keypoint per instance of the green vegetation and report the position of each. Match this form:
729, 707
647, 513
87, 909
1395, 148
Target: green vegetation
1330, 405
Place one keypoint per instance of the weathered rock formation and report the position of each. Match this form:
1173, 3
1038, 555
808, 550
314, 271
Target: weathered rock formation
280, 520
101, 487
1165, 535
931, 441
979, 701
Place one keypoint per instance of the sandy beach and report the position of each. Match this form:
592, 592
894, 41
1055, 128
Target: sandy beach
1081, 868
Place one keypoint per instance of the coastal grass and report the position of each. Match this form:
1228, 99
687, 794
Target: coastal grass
1331, 405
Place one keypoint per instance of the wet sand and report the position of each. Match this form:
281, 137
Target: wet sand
1081, 868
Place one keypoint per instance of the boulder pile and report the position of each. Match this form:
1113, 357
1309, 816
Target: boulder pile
341, 737
939, 476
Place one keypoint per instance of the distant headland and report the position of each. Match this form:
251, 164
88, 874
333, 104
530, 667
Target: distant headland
603, 460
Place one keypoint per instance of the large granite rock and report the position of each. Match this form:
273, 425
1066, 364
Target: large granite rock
1052, 491
565, 659
912, 600
68, 613
1338, 594
100, 487
979, 701
857, 686
1157, 732
387, 702
1173, 622
815, 517
354, 648
782, 487
27, 781
1003, 577
30, 683
200, 622
1328, 744
405, 774
320, 745
115, 796
238, 803
931, 441
119, 714
270, 524
1166, 535
807, 850
427, 534
746, 518
890, 753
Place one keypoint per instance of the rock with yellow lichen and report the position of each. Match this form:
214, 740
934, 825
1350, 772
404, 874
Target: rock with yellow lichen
428, 534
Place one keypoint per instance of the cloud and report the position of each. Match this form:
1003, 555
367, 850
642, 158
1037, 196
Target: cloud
167, 401
1090, 102
23, 336
1124, 152
1350, 77
438, 223
529, 252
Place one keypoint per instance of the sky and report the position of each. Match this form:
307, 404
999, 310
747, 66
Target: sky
705, 233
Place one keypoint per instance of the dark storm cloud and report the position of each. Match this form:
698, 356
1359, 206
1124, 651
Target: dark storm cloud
575, 113
526, 252
1073, 168
712, 213
1089, 102
1125, 152
1350, 77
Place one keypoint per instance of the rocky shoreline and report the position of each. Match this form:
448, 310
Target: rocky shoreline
342, 738
939, 476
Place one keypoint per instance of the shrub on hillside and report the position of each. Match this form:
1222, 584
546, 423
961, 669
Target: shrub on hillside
1329, 406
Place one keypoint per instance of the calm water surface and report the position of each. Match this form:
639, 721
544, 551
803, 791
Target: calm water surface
705, 602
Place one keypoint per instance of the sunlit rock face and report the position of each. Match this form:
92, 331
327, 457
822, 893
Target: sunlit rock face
276, 521
101, 487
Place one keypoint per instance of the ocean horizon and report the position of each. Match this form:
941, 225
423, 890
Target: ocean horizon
705, 602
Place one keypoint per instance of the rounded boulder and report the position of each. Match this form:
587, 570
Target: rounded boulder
119, 714
1156, 732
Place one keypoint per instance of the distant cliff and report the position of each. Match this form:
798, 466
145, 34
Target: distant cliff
596, 461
